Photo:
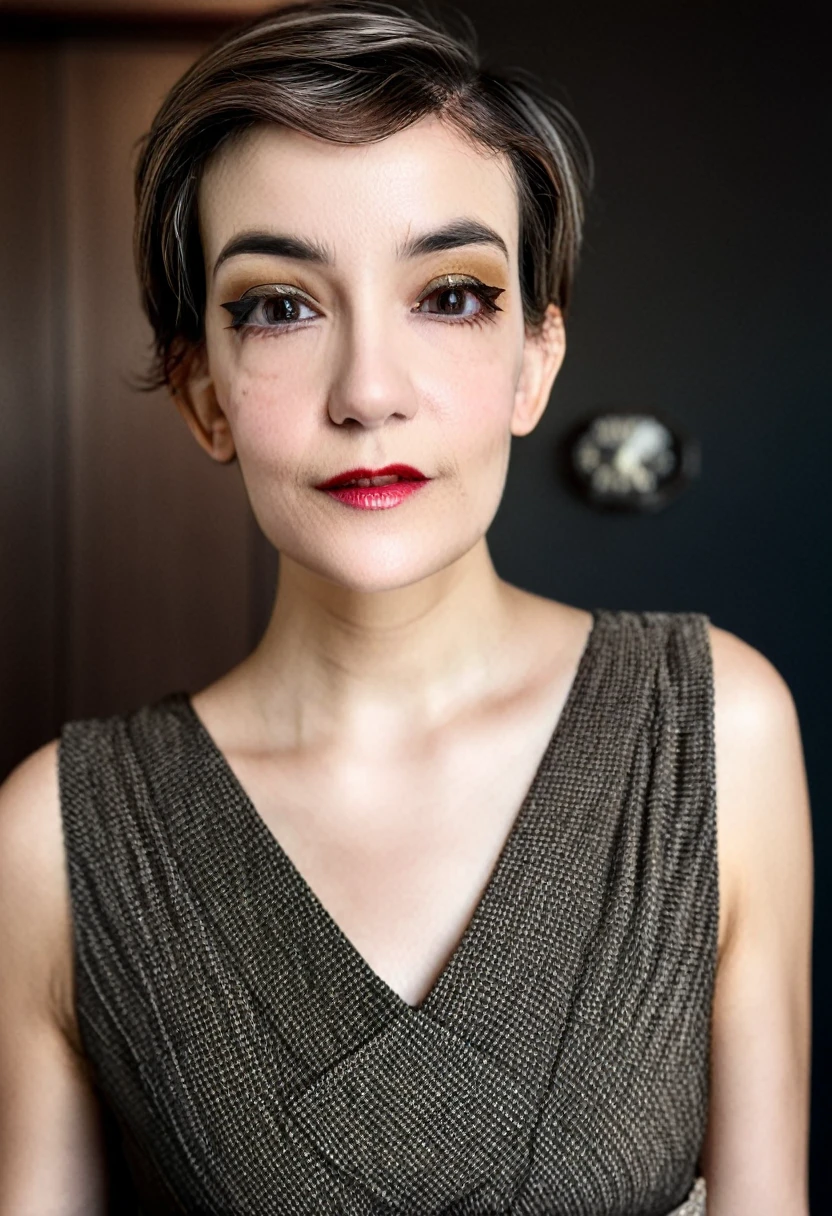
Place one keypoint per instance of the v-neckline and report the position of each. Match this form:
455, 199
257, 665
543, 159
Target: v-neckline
273, 851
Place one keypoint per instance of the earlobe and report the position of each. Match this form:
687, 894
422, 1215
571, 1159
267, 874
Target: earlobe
195, 397
543, 355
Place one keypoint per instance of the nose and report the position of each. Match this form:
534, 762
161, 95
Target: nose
371, 383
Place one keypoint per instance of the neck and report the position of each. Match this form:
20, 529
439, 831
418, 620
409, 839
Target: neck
337, 660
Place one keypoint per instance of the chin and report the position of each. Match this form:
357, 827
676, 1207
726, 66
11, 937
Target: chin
379, 564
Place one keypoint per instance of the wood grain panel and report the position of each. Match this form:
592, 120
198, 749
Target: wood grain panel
160, 537
30, 408
164, 8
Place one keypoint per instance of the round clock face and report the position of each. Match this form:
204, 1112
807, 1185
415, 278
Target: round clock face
629, 461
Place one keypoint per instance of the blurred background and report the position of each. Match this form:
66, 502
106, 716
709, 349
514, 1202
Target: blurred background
130, 564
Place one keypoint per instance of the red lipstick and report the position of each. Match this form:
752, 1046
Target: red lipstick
375, 489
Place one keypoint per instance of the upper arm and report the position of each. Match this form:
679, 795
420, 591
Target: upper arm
51, 1154
756, 1147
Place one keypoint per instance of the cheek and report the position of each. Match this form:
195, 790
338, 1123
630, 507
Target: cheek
459, 386
273, 417
470, 397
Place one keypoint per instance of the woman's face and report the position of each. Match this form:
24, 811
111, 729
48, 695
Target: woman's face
376, 320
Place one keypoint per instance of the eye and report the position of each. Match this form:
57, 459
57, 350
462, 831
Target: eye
462, 298
269, 308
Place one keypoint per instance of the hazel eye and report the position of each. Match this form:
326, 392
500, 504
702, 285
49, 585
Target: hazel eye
279, 309
452, 301
463, 300
269, 310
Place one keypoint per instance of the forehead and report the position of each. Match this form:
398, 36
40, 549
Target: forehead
351, 195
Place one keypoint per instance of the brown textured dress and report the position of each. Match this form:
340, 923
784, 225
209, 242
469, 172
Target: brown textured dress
252, 1061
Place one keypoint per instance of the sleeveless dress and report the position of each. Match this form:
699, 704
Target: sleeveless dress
254, 1064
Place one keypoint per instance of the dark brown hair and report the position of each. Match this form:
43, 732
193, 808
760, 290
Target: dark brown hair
350, 71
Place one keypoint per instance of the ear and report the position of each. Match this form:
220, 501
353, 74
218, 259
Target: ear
193, 393
543, 354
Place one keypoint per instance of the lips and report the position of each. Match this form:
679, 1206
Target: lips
365, 478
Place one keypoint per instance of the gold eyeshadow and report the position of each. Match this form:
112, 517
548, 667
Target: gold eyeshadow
491, 270
473, 271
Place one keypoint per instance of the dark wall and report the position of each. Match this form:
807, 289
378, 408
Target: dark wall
703, 292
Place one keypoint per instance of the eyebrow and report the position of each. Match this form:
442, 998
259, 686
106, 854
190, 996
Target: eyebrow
450, 236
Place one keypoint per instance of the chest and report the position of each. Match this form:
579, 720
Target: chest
399, 847
559, 1062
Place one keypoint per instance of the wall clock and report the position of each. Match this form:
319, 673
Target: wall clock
628, 460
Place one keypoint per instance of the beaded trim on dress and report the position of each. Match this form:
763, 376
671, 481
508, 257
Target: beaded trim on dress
694, 1205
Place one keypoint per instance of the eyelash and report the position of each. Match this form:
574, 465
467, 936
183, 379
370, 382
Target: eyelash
243, 308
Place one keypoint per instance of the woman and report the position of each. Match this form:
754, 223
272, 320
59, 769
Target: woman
449, 897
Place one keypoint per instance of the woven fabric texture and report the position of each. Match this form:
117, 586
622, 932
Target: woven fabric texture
256, 1065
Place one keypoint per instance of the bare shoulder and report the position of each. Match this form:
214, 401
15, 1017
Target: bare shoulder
750, 693
34, 897
755, 1154
758, 745
52, 1154
762, 800
551, 628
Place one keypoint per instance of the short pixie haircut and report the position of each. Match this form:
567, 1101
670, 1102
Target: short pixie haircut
352, 72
